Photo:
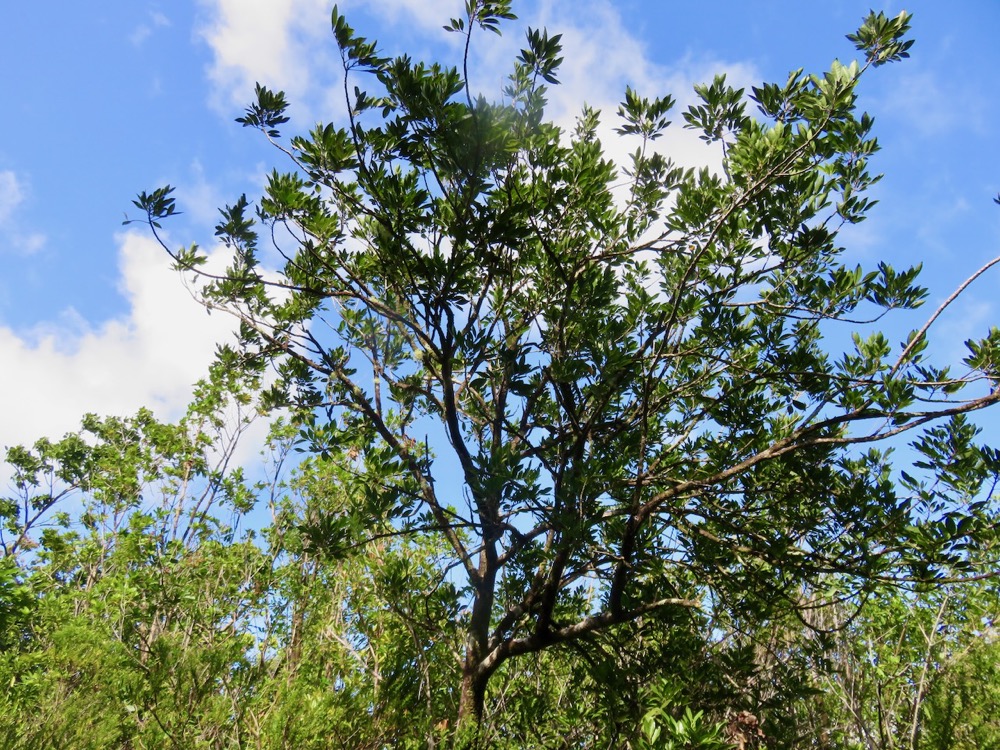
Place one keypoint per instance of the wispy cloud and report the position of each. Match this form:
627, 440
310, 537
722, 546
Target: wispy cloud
11, 194
934, 107
13, 236
429, 16
199, 198
28, 244
970, 317
143, 31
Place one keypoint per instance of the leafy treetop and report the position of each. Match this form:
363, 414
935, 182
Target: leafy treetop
610, 403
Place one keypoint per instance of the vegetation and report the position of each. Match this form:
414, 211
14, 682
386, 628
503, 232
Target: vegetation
571, 454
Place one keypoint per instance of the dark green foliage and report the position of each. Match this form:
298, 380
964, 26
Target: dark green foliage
605, 400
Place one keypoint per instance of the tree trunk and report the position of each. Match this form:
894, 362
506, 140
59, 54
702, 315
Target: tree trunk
472, 700
474, 677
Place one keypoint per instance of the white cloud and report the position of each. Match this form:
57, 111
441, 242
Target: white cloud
934, 107
144, 30
969, 317
11, 194
199, 198
64, 368
28, 244
140, 34
273, 42
431, 16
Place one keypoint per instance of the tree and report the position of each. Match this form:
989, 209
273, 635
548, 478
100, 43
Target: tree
139, 610
136, 601
614, 392
897, 672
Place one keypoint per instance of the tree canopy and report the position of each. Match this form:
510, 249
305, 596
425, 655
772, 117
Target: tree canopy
553, 405
624, 368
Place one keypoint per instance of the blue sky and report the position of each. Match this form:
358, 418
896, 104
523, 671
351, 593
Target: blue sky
102, 100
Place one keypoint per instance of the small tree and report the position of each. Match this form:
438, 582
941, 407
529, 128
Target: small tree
610, 402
